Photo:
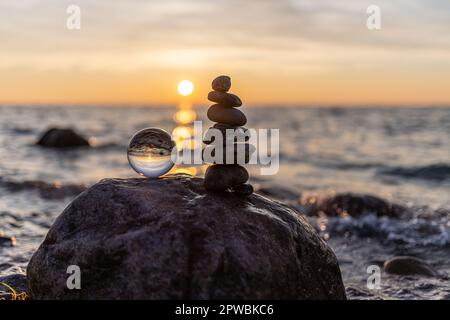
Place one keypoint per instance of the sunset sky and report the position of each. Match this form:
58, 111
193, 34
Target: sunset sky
291, 52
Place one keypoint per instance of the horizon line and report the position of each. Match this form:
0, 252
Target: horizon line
250, 105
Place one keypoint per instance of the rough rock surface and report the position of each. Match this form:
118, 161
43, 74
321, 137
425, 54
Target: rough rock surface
62, 138
221, 83
168, 238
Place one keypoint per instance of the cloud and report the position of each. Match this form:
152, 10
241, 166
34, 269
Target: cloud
286, 35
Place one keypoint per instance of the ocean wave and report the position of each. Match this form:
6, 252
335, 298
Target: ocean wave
343, 165
406, 232
434, 172
112, 146
367, 216
22, 131
46, 190
338, 164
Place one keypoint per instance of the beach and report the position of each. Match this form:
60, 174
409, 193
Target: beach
400, 156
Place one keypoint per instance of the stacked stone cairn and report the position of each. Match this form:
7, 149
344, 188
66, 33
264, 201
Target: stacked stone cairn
227, 175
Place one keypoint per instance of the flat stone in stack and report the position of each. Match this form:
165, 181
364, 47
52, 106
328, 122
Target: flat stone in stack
240, 133
237, 152
228, 115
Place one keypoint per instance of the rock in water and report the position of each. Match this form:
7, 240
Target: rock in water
62, 138
405, 265
356, 205
221, 83
169, 239
7, 241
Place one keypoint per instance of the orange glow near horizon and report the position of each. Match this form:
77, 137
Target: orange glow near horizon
309, 52
286, 89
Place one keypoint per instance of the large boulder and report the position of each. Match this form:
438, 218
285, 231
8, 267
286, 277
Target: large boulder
168, 238
62, 138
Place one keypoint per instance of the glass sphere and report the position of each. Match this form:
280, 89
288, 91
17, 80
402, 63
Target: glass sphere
149, 152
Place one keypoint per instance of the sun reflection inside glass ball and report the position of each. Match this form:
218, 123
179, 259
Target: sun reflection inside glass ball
149, 152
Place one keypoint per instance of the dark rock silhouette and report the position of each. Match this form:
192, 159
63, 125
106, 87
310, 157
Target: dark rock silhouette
405, 265
7, 240
238, 152
170, 239
224, 98
245, 189
239, 134
355, 205
220, 176
62, 138
221, 83
227, 115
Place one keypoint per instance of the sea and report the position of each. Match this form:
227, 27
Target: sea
400, 155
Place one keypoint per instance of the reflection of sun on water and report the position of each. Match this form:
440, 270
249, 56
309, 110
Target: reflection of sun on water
185, 116
182, 134
149, 164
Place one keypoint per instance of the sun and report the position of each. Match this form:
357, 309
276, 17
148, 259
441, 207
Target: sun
185, 87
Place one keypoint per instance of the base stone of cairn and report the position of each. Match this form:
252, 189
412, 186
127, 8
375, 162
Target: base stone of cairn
168, 238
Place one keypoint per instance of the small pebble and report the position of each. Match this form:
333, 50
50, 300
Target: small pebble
221, 83
225, 99
243, 189
220, 177
230, 116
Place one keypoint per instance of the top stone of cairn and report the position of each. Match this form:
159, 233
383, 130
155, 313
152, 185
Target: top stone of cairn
221, 83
